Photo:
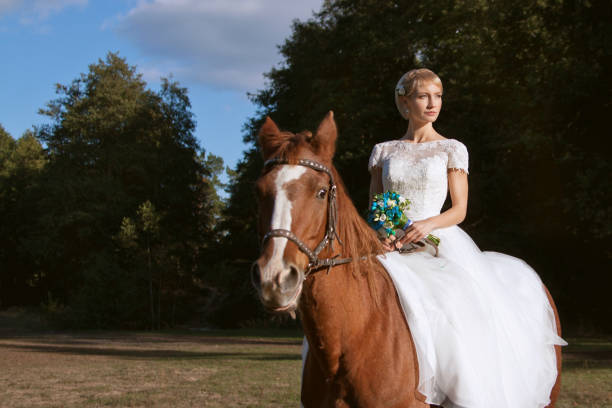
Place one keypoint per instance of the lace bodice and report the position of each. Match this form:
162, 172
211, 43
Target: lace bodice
418, 171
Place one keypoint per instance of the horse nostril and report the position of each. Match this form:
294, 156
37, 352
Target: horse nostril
256, 275
292, 279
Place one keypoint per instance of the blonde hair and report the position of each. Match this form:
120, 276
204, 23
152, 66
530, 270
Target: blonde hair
408, 83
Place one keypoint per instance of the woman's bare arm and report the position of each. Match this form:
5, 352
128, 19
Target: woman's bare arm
458, 188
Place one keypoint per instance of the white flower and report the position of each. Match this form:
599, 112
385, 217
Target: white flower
391, 203
401, 90
402, 200
380, 203
382, 217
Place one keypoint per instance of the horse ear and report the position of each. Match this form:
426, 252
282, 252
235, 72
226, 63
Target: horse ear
270, 137
324, 140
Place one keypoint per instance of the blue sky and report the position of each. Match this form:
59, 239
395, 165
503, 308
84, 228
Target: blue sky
218, 49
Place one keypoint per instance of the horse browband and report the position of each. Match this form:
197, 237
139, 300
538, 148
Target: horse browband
332, 215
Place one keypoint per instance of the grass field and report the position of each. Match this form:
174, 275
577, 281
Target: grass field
245, 368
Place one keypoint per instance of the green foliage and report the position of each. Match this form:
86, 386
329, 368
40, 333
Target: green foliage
122, 175
7, 146
54, 313
527, 89
112, 208
128, 233
142, 238
237, 248
214, 205
22, 162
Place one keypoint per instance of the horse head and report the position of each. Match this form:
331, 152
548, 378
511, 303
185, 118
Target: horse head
294, 204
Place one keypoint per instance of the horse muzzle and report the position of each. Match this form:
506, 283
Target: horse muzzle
279, 289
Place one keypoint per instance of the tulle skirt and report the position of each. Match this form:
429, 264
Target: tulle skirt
481, 322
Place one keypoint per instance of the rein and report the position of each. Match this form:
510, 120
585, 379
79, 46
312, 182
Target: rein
331, 233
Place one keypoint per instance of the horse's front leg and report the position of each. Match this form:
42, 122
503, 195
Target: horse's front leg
314, 387
317, 391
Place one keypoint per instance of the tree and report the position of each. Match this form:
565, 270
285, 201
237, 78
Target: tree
22, 162
112, 145
526, 89
7, 146
142, 236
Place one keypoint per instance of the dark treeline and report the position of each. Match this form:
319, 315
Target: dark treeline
527, 89
109, 215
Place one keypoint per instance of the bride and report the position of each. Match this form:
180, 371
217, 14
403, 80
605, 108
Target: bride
482, 325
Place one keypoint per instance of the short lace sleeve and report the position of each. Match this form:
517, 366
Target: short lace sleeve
375, 157
458, 157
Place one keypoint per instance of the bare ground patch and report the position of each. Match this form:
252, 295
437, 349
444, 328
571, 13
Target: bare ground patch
147, 370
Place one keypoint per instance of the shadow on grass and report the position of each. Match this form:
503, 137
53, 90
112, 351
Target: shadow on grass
589, 353
238, 337
144, 338
587, 364
151, 354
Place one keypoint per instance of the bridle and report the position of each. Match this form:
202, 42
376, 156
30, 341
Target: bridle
331, 233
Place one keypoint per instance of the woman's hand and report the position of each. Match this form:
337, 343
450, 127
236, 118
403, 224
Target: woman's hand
416, 232
389, 243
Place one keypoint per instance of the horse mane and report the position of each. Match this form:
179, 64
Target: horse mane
350, 225
359, 241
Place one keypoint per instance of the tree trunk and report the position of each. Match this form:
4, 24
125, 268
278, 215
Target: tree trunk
159, 294
151, 302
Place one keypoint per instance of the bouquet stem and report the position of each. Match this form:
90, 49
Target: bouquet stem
435, 240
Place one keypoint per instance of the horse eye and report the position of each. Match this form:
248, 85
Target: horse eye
321, 193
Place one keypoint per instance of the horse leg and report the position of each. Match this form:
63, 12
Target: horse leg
316, 392
554, 394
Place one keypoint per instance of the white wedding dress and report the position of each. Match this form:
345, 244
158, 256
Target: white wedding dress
482, 325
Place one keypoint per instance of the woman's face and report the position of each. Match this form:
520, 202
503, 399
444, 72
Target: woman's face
424, 103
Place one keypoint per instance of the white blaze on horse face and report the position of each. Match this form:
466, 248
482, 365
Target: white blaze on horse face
281, 217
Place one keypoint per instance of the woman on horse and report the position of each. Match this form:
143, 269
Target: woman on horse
482, 323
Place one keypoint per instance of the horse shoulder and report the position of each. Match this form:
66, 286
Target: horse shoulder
381, 362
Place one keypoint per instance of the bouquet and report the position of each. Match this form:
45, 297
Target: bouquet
386, 215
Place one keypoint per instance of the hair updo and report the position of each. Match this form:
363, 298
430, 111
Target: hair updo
408, 83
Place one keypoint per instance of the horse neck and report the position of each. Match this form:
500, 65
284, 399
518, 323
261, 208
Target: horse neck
339, 303
358, 238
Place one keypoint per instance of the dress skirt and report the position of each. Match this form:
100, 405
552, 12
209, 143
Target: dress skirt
481, 322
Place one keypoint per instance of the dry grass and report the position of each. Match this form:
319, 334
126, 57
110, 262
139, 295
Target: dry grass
587, 374
149, 370
205, 369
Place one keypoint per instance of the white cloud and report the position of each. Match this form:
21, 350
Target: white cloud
8, 5
229, 44
37, 10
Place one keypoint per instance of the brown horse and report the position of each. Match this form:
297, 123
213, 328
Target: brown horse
361, 350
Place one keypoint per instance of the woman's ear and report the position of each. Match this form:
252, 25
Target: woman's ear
401, 102
324, 140
270, 138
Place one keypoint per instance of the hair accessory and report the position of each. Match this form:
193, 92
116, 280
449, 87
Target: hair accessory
401, 91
